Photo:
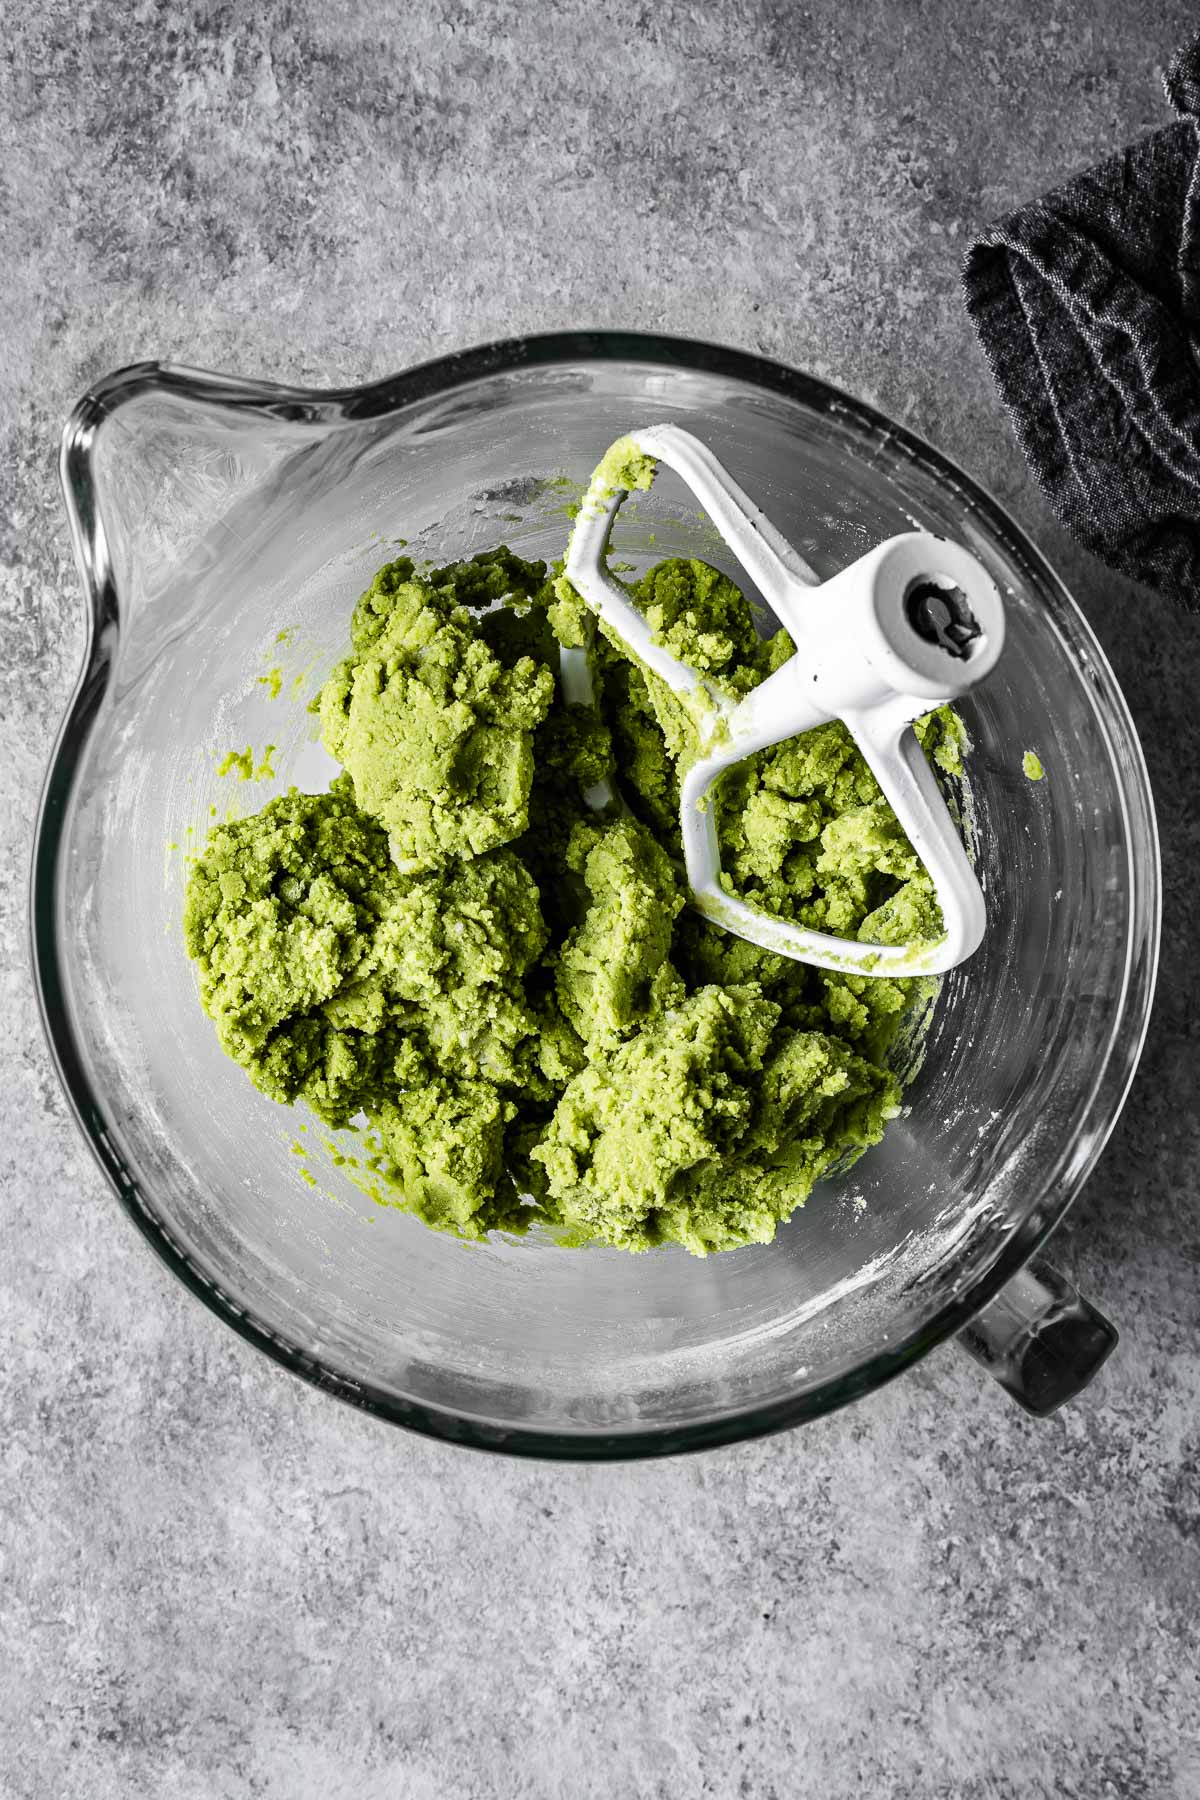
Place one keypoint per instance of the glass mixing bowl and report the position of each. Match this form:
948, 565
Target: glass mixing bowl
211, 515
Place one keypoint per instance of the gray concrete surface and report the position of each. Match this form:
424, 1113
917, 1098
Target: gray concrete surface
215, 1582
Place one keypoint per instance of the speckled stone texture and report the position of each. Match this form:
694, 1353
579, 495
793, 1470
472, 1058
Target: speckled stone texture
215, 1582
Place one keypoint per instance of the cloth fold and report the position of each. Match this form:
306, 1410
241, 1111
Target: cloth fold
1087, 305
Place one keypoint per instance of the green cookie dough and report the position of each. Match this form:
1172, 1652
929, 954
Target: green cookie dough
624, 467
503, 989
613, 973
434, 730
281, 912
698, 1128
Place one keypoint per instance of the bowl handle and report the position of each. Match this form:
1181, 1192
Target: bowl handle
1041, 1339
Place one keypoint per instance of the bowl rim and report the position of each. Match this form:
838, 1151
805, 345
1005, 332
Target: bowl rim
347, 405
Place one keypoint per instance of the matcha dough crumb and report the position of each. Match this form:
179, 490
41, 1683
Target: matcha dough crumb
624, 467
503, 989
242, 763
1031, 762
239, 763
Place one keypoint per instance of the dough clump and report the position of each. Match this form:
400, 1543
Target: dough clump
504, 990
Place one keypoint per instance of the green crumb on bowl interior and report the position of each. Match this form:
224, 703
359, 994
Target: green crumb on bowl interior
239, 762
272, 681
501, 993
623, 468
1031, 762
242, 763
